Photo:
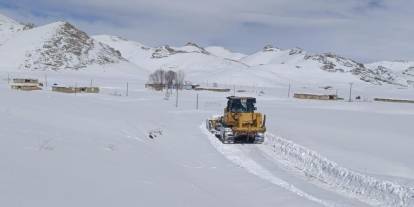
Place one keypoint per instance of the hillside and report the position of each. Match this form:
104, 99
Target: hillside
55, 46
198, 63
297, 58
224, 53
270, 66
8, 27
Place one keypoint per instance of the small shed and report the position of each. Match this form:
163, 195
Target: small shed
316, 96
66, 89
26, 84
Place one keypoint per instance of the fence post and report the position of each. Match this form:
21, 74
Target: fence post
197, 102
289, 90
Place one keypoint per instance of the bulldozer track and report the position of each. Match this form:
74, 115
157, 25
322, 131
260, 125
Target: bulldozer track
279, 160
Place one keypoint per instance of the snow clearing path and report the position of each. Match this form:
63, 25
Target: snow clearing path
309, 174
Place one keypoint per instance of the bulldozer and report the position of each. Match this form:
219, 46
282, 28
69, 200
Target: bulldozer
240, 122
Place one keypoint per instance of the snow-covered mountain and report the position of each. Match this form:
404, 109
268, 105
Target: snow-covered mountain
397, 66
273, 55
8, 27
62, 46
225, 53
198, 63
401, 69
187, 57
266, 67
54, 46
328, 62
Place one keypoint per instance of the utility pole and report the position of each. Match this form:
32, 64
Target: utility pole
46, 80
176, 96
289, 91
234, 90
8, 78
350, 92
91, 83
127, 89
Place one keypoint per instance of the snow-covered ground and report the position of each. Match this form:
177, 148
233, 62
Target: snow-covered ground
94, 149
110, 149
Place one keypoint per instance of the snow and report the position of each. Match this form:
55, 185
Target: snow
66, 150
224, 53
54, 46
366, 188
96, 145
217, 64
274, 56
7, 28
203, 68
25, 42
397, 66
110, 149
134, 52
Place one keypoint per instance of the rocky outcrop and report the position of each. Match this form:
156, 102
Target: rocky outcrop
70, 48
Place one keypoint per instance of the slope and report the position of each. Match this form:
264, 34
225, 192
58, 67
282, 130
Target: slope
198, 63
55, 46
8, 27
311, 63
224, 53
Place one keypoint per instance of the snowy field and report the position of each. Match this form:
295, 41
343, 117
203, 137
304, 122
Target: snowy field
94, 149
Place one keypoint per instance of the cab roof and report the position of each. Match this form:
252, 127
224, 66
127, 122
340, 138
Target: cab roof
240, 97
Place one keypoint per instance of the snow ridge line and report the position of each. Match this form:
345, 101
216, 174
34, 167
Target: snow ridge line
363, 187
232, 153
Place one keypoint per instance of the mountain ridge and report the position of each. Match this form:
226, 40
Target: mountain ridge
60, 45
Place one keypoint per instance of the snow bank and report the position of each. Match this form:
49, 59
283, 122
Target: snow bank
235, 155
362, 187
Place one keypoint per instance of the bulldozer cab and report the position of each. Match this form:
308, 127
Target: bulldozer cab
241, 104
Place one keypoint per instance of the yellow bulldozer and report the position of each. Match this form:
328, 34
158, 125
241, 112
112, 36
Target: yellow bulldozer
240, 122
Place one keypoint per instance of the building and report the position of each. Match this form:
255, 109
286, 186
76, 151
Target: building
394, 100
213, 89
190, 86
65, 89
315, 96
26, 84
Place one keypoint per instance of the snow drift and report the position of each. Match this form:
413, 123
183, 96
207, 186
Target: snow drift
327, 172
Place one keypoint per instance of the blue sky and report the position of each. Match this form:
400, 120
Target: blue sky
367, 30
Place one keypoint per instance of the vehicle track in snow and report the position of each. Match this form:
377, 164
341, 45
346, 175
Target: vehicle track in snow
310, 175
238, 156
328, 174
